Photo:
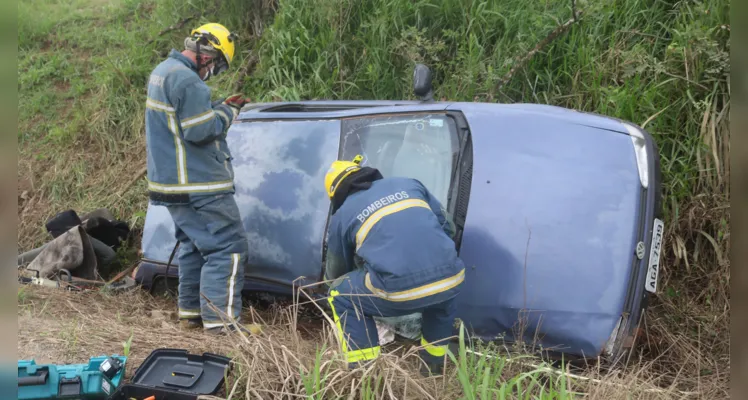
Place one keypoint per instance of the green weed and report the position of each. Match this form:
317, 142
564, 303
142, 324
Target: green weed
126, 346
314, 381
83, 64
371, 387
22, 295
487, 375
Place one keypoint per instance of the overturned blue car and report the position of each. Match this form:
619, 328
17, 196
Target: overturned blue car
558, 212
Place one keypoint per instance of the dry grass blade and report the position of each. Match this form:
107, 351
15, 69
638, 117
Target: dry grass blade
263, 366
81, 119
135, 179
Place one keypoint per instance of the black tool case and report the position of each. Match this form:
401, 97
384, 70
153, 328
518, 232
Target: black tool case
173, 374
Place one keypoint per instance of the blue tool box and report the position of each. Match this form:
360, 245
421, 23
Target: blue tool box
93, 381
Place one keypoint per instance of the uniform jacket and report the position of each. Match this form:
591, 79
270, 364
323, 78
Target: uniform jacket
397, 231
185, 135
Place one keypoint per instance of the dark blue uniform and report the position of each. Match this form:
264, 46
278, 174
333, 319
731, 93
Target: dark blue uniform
390, 252
190, 172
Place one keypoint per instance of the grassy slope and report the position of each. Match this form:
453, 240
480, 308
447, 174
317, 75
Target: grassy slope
83, 66
296, 354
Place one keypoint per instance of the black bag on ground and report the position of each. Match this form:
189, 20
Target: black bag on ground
98, 224
62, 222
108, 232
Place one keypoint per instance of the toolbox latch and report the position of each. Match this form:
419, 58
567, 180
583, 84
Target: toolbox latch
183, 376
70, 386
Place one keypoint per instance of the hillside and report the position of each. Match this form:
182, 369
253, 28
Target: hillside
83, 66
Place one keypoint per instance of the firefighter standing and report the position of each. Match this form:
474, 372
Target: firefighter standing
391, 254
190, 172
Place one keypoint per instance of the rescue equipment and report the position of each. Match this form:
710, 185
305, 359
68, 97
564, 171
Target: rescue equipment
175, 374
97, 379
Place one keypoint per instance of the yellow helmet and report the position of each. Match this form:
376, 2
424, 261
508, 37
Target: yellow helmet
338, 171
219, 37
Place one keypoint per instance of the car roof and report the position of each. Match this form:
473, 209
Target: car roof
337, 109
334, 109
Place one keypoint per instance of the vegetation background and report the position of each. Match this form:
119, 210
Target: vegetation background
663, 64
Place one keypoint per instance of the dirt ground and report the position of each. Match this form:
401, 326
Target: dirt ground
63, 327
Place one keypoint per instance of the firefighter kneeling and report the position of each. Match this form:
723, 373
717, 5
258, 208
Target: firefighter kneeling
390, 254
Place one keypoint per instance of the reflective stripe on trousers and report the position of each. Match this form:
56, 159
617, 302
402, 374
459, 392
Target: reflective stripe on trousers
354, 306
351, 356
434, 350
189, 314
419, 292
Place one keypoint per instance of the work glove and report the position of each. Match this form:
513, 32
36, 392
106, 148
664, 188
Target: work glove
235, 103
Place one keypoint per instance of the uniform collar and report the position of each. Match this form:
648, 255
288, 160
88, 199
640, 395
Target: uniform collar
358, 181
183, 59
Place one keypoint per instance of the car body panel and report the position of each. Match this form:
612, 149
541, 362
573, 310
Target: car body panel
282, 203
555, 212
548, 228
278, 169
542, 111
158, 234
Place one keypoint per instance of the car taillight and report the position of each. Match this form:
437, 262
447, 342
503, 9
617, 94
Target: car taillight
640, 149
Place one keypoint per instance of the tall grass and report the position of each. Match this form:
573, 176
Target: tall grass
83, 66
650, 62
664, 65
661, 64
484, 376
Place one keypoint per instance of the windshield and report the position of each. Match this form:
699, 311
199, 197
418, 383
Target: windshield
420, 146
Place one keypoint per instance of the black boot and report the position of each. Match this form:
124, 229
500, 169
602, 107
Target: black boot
191, 323
432, 369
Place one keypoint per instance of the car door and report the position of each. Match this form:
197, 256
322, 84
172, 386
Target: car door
279, 167
431, 146
426, 145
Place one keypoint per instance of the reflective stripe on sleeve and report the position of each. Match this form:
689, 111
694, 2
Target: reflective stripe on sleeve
419, 292
224, 117
198, 119
171, 120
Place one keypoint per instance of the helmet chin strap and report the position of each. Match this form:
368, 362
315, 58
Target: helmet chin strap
208, 74
199, 62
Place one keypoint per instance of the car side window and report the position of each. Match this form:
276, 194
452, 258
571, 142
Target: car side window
420, 146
